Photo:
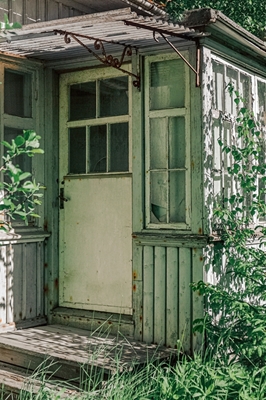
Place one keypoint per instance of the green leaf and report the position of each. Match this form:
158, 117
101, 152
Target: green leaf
6, 144
24, 175
19, 140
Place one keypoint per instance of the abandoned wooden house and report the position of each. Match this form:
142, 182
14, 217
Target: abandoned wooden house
129, 107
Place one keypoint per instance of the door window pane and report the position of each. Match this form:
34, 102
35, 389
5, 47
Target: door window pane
82, 101
158, 143
159, 188
77, 152
114, 96
119, 147
167, 84
177, 197
17, 94
98, 149
177, 142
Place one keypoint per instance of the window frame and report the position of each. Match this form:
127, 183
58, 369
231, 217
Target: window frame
167, 113
24, 123
92, 75
229, 121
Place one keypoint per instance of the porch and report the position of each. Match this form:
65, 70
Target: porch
66, 355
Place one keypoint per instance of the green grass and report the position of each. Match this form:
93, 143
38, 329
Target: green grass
211, 378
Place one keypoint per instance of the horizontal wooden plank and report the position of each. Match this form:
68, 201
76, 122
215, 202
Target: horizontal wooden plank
93, 321
14, 382
169, 240
69, 348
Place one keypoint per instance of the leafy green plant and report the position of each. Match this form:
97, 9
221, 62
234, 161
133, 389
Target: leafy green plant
20, 195
236, 317
9, 25
251, 14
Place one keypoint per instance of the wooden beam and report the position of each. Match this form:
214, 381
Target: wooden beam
76, 5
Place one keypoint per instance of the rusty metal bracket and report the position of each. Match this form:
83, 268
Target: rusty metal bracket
197, 70
183, 35
104, 58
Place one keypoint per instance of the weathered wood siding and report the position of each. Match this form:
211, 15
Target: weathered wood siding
29, 11
21, 282
164, 304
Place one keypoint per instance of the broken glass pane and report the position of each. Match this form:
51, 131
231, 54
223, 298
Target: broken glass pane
167, 84
158, 143
177, 196
114, 96
77, 150
177, 142
98, 149
159, 186
82, 101
119, 147
17, 94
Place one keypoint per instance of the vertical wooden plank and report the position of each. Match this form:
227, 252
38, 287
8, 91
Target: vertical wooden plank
3, 284
24, 281
207, 145
3, 9
18, 281
171, 296
51, 223
31, 11
9, 283
39, 280
137, 153
137, 291
40, 9
197, 299
31, 274
10, 10
217, 161
196, 160
148, 310
52, 11
185, 298
159, 294
17, 8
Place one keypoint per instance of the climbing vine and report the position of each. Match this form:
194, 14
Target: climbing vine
236, 314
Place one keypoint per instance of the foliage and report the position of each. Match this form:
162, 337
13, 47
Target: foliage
9, 25
237, 317
198, 378
251, 15
19, 194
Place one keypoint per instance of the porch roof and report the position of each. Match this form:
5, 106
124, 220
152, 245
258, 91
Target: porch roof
38, 40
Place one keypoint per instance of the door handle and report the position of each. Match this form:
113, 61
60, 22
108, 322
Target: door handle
62, 199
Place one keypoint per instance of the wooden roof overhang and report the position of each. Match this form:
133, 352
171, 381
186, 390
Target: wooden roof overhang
116, 30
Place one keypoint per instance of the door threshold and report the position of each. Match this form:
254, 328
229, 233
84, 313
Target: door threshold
94, 321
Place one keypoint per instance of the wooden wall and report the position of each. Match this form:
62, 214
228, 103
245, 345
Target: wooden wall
21, 283
164, 304
29, 11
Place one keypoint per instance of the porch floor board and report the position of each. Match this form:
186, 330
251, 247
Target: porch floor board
66, 349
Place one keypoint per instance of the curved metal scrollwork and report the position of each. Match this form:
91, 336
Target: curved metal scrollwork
104, 58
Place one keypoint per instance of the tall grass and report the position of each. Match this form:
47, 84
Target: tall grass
204, 376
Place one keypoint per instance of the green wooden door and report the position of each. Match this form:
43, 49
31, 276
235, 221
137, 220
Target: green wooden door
96, 199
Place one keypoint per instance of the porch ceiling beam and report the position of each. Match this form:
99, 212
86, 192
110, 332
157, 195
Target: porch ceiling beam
76, 5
